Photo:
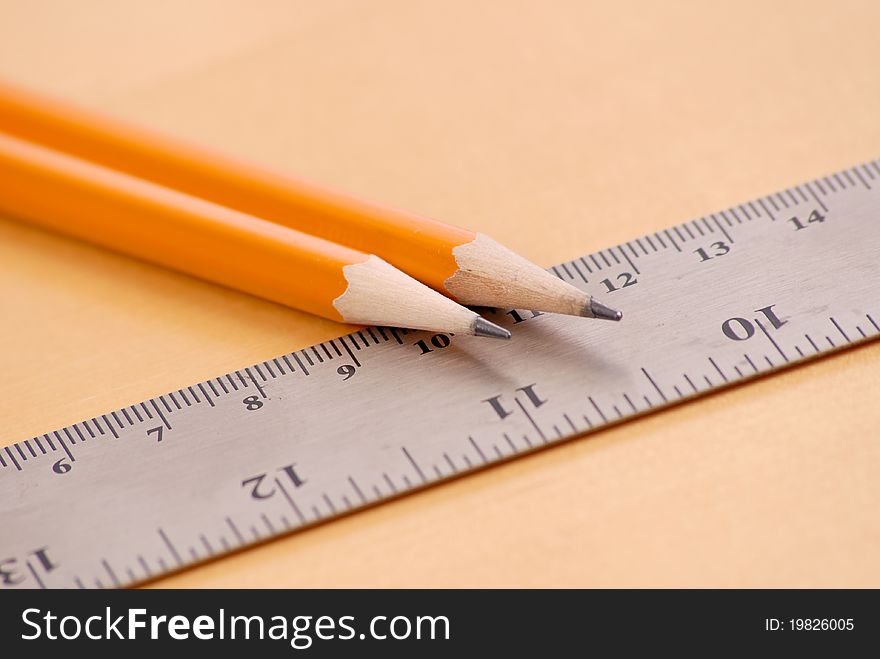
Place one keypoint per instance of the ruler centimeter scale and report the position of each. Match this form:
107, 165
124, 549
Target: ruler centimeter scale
178, 479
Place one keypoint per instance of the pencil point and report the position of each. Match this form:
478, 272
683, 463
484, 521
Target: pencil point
598, 310
483, 327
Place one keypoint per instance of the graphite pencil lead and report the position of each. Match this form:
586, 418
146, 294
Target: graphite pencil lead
483, 327
596, 309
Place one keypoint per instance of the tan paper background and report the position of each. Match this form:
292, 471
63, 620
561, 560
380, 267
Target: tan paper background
557, 126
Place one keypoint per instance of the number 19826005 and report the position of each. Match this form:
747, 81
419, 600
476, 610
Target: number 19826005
809, 624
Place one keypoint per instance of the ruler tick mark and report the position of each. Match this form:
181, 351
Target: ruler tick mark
235, 531
632, 249
531, 420
813, 195
721, 228
256, 384
861, 179
766, 210
348, 350
161, 416
110, 426
206, 544
110, 571
170, 546
477, 449
12, 458
390, 483
717, 368
628, 260
751, 363
357, 490
301, 365
290, 501
770, 338
329, 503
64, 446
35, 575
578, 271
393, 332
207, 397
651, 380
146, 568
840, 329
415, 466
88, 429
598, 411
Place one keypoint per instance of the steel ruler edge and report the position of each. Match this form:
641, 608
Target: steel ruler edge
154, 487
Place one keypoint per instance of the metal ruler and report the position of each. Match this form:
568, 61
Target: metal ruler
280, 445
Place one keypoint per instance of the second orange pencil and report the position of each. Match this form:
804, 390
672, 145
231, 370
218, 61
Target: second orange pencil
141, 219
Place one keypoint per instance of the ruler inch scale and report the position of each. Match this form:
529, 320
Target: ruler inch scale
220, 465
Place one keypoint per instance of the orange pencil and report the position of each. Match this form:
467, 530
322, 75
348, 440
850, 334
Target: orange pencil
142, 219
469, 267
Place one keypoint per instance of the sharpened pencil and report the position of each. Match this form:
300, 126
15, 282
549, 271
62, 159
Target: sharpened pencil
127, 214
469, 267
